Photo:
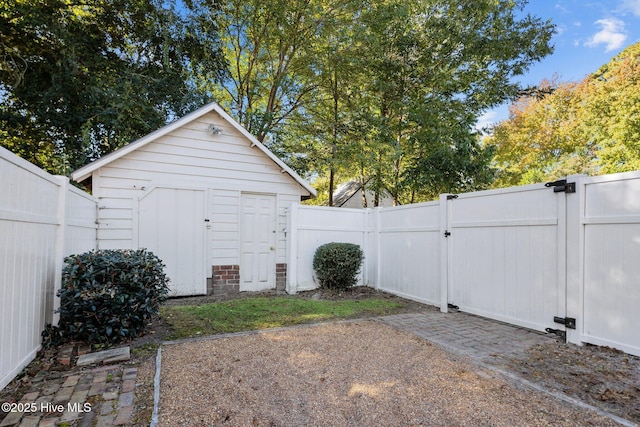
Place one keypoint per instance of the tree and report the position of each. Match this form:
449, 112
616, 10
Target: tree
80, 80
433, 67
270, 46
611, 116
589, 127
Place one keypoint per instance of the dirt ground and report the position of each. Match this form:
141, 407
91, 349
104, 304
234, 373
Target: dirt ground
600, 376
345, 374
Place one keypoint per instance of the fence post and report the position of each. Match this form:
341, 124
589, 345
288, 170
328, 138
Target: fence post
444, 253
63, 189
575, 257
378, 249
368, 246
292, 249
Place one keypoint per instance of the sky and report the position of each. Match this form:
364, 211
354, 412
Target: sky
588, 34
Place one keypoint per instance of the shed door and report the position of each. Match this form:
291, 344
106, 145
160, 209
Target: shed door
257, 242
172, 225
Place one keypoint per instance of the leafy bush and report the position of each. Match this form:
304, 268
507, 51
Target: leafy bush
109, 295
337, 265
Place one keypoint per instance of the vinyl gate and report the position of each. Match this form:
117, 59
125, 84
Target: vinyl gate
534, 256
506, 255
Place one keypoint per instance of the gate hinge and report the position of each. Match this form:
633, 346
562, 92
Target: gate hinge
558, 332
452, 196
568, 322
561, 186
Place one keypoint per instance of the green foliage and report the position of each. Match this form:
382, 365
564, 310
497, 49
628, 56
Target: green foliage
588, 127
247, 314
109, 295
400, 85
78, 80
384, 91
337, 265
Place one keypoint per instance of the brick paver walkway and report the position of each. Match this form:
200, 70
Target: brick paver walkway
478, 338
101, 396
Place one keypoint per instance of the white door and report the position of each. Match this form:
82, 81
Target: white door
171, 224
257, 242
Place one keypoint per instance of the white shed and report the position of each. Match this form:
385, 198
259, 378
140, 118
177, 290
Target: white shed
205, 196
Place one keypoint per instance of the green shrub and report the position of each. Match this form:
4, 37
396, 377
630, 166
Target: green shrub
337, 265
109, 295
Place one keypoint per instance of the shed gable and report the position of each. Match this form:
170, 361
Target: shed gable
191, 155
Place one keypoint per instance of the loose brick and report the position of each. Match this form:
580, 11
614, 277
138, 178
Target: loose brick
12, 419
48, 422
71, 381
125, 399
63, 395
106, 407
128, 385
30, 421
30, 397
124, 416
105, 421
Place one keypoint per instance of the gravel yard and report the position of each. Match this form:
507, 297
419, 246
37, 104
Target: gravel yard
359, 373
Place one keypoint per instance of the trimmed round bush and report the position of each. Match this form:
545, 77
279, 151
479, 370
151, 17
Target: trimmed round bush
337, 265
108, 296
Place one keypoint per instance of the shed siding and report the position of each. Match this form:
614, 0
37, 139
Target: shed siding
225, 219
190, 157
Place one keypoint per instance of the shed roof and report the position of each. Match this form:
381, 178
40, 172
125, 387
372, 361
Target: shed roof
86, 171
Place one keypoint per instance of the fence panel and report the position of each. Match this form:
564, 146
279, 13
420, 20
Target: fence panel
408, 262
32, 245
506, 255
28, 226
611, 261
313, 227
522, 255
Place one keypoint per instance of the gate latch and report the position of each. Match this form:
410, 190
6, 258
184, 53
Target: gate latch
562, 186
568, 322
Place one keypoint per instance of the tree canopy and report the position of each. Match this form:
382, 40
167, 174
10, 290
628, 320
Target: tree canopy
78, 80
387, 90
590, 127
384, 91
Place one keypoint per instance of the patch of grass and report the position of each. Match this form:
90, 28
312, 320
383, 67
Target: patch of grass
145, 350
260, 313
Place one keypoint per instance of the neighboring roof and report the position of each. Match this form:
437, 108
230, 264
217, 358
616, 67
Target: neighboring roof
86, 171
345, 191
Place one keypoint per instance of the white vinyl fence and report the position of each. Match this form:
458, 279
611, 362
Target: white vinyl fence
609, 264
533, 256
42, 219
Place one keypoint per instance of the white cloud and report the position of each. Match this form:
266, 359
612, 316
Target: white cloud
612, 34
487, 119
631, 5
